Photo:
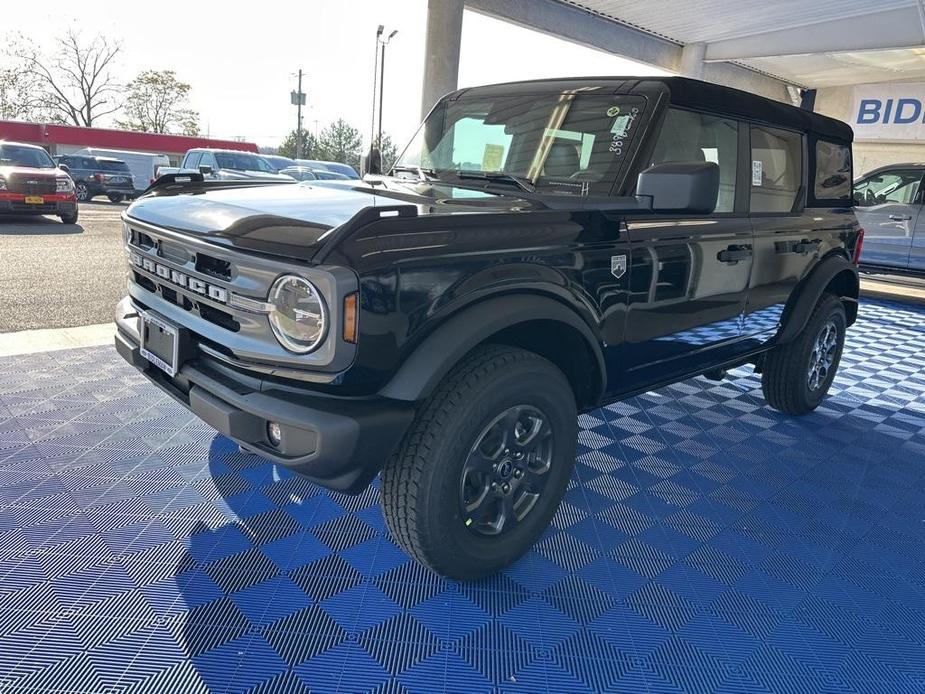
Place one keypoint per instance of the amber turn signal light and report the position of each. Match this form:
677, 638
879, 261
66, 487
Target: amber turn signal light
350, 318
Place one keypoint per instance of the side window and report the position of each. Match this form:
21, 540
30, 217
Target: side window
87, 163
688, 136
208, 159
192, 160
832, 180
897, 186
777, 169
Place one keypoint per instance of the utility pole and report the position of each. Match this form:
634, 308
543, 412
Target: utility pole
297, 98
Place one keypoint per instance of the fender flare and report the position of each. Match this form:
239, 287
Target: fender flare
808, 292
432, 359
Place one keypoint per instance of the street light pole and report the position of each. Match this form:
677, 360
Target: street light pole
372, 126
384, 42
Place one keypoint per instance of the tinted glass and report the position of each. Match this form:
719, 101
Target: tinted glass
687, 136
897, 187
242, 161
192, 160
777, 169
833, 171
32, 157
563, 143
119, 166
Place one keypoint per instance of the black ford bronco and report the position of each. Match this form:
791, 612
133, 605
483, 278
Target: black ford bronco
539, 250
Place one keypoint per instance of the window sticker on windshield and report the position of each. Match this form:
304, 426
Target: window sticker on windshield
757, 168
621, 124
620, 130
492, 157
613, 111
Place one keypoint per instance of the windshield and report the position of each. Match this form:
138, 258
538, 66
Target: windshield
32, 157
241, 161
563, 143
119, 166
279, 163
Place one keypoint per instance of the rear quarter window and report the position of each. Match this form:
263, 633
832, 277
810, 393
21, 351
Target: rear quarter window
832, 175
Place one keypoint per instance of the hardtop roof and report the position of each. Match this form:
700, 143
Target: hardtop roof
690, 93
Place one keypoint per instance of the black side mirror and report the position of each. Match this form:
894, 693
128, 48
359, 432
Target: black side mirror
680, 187
205, 169
65, 168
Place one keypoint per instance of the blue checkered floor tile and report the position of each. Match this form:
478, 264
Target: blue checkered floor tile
706, 544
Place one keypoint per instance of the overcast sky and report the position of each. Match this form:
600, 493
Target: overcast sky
241, 57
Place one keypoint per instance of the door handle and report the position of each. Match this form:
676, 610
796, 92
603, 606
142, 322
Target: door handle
805, 246
734, 254
900, 217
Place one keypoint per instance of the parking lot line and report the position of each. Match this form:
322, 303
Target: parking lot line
51, 339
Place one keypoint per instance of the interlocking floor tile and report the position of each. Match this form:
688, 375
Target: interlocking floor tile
705, 544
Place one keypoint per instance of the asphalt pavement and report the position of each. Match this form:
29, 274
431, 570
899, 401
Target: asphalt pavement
55, 275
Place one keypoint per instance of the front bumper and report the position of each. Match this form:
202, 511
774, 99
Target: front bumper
339, 443
56, 203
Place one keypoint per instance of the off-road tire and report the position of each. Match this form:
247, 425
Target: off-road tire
69, 218
421, 482
784, 380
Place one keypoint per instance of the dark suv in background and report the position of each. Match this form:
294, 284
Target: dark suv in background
95, 176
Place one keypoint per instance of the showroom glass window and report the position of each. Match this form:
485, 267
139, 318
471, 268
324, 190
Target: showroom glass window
570, 144
777, 169
688, 136
832, 179
898, 186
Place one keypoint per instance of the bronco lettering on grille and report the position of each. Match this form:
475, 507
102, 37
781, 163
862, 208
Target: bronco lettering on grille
180, 279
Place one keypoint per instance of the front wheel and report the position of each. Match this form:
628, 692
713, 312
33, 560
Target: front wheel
797, 375
115, 197
82, 191
485, 464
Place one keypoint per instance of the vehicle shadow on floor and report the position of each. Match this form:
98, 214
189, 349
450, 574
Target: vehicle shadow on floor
232, 582
36, 226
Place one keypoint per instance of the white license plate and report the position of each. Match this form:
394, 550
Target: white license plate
159, 342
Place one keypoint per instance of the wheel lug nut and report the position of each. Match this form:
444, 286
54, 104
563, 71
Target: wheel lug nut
518, 473
505, 488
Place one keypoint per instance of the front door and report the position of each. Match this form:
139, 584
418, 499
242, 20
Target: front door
887, 207
688, 283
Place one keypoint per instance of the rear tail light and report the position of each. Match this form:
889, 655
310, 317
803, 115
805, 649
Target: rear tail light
856, 258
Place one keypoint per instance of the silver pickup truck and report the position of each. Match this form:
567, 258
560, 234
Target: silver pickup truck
225, 165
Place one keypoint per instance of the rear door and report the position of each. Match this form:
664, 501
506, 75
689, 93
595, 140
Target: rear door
887, 205
689, 274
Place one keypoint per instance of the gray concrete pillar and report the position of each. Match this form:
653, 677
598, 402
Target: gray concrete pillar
441, 51
691, 63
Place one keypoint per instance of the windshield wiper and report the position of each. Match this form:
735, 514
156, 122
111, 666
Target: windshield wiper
521, 182
423, 174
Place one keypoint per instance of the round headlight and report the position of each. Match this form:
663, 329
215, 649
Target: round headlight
298, 317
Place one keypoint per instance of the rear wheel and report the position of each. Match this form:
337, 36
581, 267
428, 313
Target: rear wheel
797, 375
485, 464
115, 197
70, 218
82, 191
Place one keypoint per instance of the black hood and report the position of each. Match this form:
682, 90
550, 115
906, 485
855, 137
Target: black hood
294, 220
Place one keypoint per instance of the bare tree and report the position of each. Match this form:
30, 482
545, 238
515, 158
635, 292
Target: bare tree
76, 82
157, 103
